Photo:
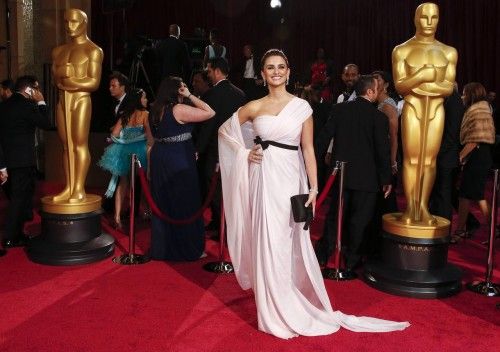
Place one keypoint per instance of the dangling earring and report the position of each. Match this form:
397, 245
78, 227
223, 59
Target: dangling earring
287, 80
264, 83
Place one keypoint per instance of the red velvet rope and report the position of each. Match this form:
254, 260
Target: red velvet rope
165, 217
326, 189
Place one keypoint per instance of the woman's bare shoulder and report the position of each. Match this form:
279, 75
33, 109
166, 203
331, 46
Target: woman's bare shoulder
252, 108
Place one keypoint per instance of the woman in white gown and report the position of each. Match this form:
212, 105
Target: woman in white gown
271, 253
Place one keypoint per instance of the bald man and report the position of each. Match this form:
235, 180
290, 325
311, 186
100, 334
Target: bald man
173, 55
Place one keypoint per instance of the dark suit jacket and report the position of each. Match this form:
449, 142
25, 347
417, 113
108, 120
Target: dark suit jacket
121, 107
19, 117
450, 144
2, 158
225, 99
361, 138
174, 59
238, 70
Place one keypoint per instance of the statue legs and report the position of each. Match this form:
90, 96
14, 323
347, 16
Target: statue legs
80, 132
419, 164
73, 124
63, 128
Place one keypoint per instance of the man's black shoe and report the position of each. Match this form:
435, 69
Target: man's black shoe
212, 226
2, 252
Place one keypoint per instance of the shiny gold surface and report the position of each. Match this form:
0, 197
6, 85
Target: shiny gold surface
392, 224
76, 70
91, 203
424, 73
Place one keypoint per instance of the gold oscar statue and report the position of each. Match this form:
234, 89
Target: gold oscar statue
414, 244
76, 71
424, 73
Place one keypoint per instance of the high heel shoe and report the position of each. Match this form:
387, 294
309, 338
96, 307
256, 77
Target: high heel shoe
460, 235
117, 225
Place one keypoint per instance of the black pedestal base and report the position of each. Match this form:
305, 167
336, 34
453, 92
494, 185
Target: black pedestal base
414, 267
70, 239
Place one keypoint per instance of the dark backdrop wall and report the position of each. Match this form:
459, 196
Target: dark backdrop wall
359, 31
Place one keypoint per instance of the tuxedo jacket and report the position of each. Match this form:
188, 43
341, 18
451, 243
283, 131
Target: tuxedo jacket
225, 98
19, 118
360, 135
174, 59
119, 112
239, 69
450, 143
2, 158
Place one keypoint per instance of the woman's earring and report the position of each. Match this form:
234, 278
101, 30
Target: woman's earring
264, 83
287, 80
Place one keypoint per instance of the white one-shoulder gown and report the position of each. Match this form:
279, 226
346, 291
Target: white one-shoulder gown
271, 253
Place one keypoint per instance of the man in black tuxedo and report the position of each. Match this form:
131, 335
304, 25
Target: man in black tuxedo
119, 86
361, 138
6, 89
20, 115
225, 99
447, 158
173, 55
248, 72
3, 178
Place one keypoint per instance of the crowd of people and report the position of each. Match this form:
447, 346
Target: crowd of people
271, 144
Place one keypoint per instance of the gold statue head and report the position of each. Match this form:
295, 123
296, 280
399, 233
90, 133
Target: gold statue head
426, 19
76, 22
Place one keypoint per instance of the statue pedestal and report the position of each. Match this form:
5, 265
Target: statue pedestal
70, 236
414, 261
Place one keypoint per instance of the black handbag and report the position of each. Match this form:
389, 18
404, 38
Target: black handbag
300, 212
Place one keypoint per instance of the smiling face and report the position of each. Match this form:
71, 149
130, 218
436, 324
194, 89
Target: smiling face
350, 75
275, 70
426, 19
75, 22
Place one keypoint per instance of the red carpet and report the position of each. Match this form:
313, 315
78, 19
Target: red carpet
162, 306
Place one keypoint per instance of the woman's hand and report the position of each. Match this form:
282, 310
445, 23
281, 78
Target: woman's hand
184, 90
313, 193
255, 155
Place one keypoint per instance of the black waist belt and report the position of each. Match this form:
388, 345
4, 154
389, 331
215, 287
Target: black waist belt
265, 144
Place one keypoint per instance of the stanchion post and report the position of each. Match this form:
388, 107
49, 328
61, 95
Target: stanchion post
222, 232
131, 227
131, 258
487, 287
221, 266
337, 273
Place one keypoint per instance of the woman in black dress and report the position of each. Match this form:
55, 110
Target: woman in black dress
477, 134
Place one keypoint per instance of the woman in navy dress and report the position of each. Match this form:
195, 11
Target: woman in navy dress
174, 177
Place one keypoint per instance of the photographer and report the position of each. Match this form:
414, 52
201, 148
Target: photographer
173, 55
20, 115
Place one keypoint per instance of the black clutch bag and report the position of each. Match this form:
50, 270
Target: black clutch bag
300, 212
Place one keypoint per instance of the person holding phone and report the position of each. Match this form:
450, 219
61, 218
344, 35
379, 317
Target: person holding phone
20, 115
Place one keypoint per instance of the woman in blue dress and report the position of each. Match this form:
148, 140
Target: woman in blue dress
129, 137
174, 177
